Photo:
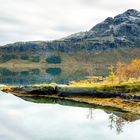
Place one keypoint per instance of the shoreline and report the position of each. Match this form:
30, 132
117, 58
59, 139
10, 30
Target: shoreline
94, 95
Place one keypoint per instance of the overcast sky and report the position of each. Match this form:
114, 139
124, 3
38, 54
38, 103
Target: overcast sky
24, 20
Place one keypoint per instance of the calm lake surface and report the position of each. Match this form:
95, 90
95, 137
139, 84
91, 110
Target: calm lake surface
28, 118
23, 120
56, 74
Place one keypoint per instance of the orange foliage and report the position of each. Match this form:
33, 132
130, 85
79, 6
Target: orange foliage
125, 72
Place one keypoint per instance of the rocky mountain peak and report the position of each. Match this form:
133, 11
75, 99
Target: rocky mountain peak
132, 12
125, 24
130, 15
122, 30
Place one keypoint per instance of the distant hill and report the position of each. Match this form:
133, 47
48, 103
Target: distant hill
114, 39
122, 31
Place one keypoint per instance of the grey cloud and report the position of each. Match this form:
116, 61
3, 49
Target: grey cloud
65, 28
89, 2
45, 19
9, 20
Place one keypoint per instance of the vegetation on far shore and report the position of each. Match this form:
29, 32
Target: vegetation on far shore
122, 78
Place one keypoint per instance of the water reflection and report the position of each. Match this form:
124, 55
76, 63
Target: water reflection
116, 119
53, 71
90, 114
59, 74
26, 120
117, 122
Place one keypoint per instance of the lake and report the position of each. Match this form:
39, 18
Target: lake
54, 74
40, 118
27, 120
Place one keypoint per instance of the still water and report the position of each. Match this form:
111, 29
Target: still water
24, 120
56, 74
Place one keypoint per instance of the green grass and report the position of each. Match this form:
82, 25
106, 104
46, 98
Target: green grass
44, 85
115, 87
126, 87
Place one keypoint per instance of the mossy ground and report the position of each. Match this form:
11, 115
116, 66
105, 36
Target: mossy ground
126, 87
131, 88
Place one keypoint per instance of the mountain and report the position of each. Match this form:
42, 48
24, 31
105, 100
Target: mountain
114, 39
122, 31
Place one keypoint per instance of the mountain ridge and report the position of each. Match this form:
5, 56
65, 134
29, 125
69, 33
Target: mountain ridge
122, 31
106, 27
